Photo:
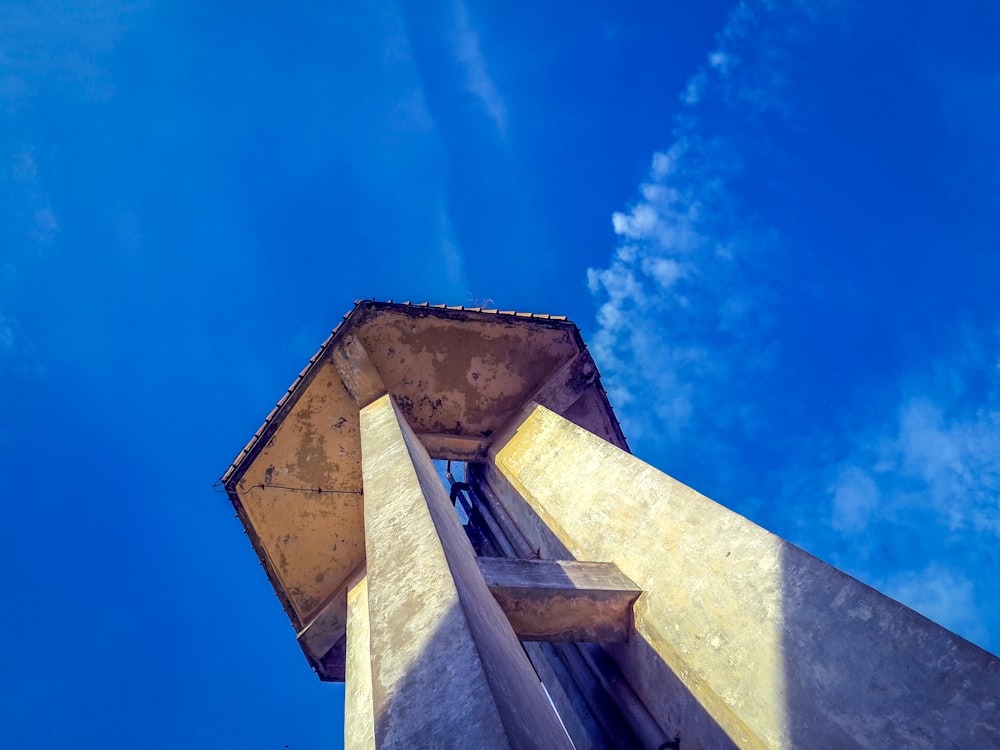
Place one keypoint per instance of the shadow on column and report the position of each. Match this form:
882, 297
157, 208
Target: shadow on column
650, 680
411, 709
862, 670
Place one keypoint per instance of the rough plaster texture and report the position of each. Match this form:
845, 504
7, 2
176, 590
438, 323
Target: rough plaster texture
457, 375
453, 378
311, 540
560, 600
428, 684
776, 648
359, 719
527, 715
447, 669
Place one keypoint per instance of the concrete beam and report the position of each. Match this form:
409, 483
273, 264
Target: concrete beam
333, 665
567, 383
326, 628
360, 376
455, 448
741, 637
561, 600
447, 669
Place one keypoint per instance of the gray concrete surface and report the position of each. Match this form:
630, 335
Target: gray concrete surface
777, 648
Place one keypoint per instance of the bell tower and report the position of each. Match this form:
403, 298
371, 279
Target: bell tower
562, 593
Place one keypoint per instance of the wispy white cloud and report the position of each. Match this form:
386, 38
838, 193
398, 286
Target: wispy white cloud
30, 204
451, 256
17, 353
7, 338
477, 77
411, 114
686, 281
922, 488
46, 225
46, 45
855, 497
24, 167
938, 454
404, 145
941, 594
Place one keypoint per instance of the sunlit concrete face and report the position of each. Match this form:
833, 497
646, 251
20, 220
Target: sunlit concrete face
310, 539
737, 638
359, 717
447, 669
740, 637
456, 376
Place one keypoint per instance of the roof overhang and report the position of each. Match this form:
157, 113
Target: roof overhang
457, 374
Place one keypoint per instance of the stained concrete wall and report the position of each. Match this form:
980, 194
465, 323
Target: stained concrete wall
359, 719
446, 667
740, 636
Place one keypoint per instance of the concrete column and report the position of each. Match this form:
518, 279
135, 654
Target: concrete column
447, 670
359, 718
740, 637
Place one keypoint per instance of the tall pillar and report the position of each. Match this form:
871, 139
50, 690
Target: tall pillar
359, 719
446, 668
741, 637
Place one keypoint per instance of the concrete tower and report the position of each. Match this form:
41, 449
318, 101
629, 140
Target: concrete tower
564, 593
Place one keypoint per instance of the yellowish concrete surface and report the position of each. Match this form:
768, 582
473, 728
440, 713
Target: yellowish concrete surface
456, 376
429, 688
359, 720
311, 540
548, 600
468, 377
778, 648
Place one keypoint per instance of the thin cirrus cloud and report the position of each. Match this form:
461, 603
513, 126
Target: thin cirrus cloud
937, 450
63, 47
29, 201
685, 281
921, 488
943, 595
477, 78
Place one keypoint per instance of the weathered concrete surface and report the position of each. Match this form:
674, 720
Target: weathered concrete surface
327, 626
450, 377
457, 375
780, 649
455, 448
309, 540
561, 600
360, 376
359, 719
609, 712
447, 670
428, 684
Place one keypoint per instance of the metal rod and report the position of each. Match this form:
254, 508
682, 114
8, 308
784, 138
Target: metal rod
601, 704
614, 683
511, 531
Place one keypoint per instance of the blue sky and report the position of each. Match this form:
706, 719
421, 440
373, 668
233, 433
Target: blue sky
776, 224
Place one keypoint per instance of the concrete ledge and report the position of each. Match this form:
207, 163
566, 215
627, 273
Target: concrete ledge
560, 600
454, 447
361, 378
